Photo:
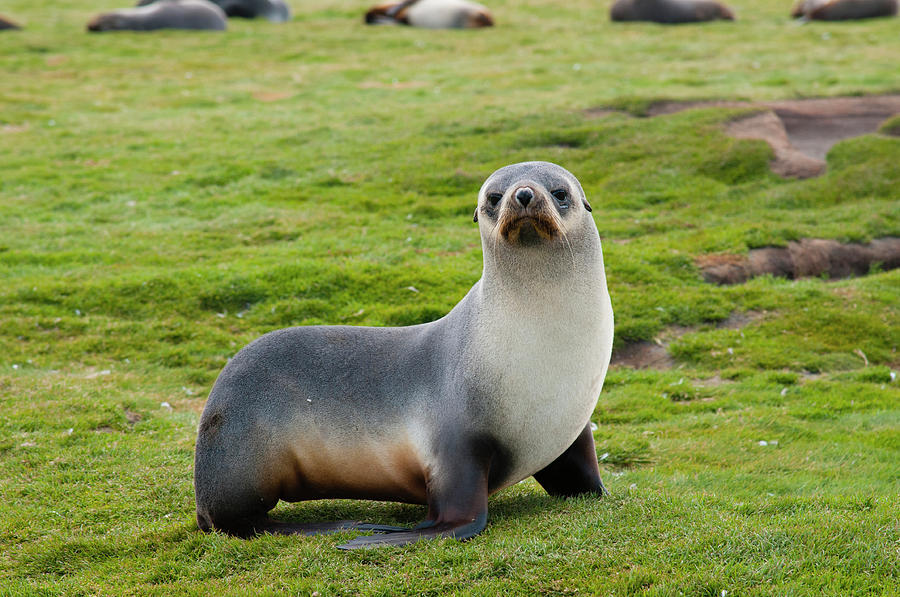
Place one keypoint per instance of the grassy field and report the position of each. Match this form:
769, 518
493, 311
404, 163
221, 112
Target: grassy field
165, 198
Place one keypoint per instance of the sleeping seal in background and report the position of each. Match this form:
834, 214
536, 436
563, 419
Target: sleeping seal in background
6, 24
670, 12
166, 14
443, 413
841, 10
431, 14
274, 10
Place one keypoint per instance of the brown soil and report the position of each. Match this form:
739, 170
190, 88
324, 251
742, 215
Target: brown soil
807, 258
655, 354
801, 131
789, 162
643, 355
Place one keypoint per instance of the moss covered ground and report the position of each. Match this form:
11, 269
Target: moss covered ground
165, 198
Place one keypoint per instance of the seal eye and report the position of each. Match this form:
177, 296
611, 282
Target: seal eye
494, 199
562, 197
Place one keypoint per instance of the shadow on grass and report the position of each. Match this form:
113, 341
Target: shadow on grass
64, 557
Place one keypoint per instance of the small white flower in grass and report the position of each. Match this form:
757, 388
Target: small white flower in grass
15, 366
604, 456
412, 289
762, 442
70, 431
730, 351
221, 315
576, 66
187, 390
784, 391
165, 405
594, 426
78, 312
893, 376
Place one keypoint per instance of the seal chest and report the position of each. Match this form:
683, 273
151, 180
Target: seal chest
443, 413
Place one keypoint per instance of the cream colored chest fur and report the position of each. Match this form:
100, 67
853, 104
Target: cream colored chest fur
547, 361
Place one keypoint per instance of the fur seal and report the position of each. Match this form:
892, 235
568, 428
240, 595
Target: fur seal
442, 413
274, 10
670, 12
431, 14
841, 10
166, 14
6, 24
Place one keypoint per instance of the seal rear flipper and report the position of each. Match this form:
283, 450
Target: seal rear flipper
575, 471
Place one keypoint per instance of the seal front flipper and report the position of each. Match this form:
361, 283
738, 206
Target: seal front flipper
457, 501
575, 471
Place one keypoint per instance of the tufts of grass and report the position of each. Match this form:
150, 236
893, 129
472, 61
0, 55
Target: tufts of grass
166, 198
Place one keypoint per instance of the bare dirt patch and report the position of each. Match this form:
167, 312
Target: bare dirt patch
643, 355
800, 131
806, 258
789, 162
655, 354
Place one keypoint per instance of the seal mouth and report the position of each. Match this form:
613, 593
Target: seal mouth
527, 229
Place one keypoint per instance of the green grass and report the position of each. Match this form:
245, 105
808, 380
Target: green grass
166, 198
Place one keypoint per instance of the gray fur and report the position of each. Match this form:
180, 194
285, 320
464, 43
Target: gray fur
840, 10
669, 11
273, 10
166, 14
513, 370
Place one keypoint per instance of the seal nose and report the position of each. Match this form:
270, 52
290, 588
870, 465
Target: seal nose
524, 195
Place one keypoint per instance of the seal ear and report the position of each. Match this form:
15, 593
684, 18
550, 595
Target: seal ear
475, 219
586, 205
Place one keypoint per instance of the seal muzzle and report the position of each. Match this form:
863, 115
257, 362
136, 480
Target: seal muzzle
528, 219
